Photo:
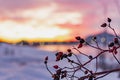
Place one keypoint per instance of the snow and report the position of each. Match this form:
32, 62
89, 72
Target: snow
26, 63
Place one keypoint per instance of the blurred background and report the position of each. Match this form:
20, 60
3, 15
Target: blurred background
54, 20
37, 28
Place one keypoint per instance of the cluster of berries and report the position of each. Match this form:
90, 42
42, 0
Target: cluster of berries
60, 74
60, 55
113, 46
81, 41
105, 24
46, 60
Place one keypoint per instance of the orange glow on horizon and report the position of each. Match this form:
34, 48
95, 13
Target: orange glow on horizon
40, 24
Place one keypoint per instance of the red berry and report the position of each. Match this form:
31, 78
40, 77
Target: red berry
45, 62
60, 53
111, 44
109, 20
90, 57
104, 25
64, 74
115, 52
78, 37
70, 54
90, 78
56, 54
86, 72
56, 66
116, 40
82, 40
69, 50
80, 45
58, 58
94, 37
54, 76
58, 72
46, 58
114, 47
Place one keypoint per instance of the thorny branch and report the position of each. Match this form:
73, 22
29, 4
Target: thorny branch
69, 72
100, 73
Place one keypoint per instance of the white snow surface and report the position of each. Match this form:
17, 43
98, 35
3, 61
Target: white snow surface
22, 63
27, 63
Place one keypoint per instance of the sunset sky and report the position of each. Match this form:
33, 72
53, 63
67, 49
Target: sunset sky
54, 20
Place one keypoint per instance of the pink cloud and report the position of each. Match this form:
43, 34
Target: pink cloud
94, 11
15, 19
12, 5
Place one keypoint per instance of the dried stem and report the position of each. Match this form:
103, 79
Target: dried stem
69, 72
101, 73
116, 58
48, 69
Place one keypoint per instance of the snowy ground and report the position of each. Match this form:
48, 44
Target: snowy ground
26, 63
22, 63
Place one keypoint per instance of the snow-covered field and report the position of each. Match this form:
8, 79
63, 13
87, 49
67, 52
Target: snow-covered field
22, 63
26, 63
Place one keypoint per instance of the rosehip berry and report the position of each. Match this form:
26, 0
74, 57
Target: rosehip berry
56, 66
58, 58
60, 53
70, 54
109, 20
58, 72
90, 78
45, 62
86, 72
111, 44
114, 48
116, 40
82, 40
56, 54
94, 38
115, 52
90, 57
62, 76
104, 25
80, 45
78, 37
64, 73
69, 50
46, 58
54, 76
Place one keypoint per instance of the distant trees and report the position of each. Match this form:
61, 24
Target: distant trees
22, 43
25, 43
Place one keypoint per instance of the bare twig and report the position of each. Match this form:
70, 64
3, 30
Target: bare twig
116, 58
101, 73
69, 72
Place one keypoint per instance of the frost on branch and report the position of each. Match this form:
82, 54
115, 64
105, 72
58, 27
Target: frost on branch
77, 67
